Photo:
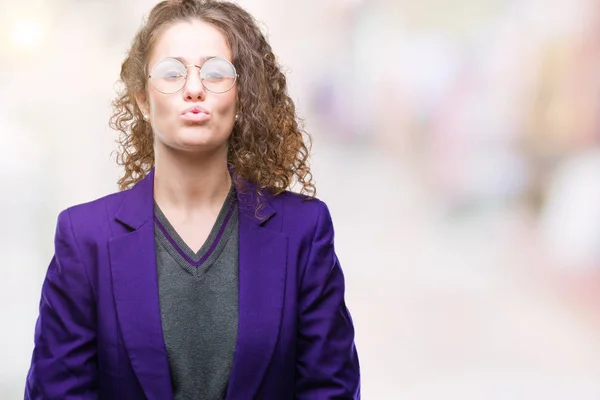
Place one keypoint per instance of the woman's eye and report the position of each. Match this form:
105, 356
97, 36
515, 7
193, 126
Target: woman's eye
172, 74
214, 75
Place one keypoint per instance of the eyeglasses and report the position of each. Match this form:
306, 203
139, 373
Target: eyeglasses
169, 75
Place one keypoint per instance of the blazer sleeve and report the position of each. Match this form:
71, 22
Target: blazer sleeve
64, 361
326, 358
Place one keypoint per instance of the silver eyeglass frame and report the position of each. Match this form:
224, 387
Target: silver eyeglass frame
235, 79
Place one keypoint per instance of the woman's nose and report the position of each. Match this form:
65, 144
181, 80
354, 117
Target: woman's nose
194, 89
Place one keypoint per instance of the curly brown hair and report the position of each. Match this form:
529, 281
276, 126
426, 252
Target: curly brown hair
268, 146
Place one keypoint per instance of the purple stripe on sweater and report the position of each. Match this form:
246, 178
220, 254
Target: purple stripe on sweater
212, 246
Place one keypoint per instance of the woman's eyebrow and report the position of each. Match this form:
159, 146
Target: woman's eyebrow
184, 61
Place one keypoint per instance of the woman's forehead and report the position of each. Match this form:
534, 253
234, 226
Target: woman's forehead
191, 41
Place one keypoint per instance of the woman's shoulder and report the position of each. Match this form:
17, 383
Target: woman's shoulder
297, 201
96, 206
298, 209
92, 215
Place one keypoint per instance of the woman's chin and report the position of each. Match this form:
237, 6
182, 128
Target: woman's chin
194, 141
199, 145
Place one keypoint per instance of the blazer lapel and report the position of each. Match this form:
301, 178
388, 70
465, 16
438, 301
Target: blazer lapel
262, 275
135, 285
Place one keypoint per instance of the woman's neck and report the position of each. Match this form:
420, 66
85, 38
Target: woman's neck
191, 182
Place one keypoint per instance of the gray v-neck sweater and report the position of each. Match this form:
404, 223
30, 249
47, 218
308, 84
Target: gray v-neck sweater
198, 295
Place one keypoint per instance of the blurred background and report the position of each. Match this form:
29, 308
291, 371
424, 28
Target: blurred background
456, 142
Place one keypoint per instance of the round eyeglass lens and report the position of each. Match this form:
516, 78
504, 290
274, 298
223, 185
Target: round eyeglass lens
168, 75
218, 75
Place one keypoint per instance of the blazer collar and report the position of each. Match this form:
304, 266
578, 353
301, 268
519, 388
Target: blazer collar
138, 203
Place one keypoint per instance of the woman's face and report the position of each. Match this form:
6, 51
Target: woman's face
192, 119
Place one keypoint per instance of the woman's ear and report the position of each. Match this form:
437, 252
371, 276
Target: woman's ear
142, 103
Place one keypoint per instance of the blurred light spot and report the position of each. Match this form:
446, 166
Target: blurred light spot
27, 34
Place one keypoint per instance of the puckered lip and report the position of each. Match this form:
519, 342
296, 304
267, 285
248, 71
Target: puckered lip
196, 109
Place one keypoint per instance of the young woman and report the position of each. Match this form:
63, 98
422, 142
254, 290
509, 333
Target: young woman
204, 278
